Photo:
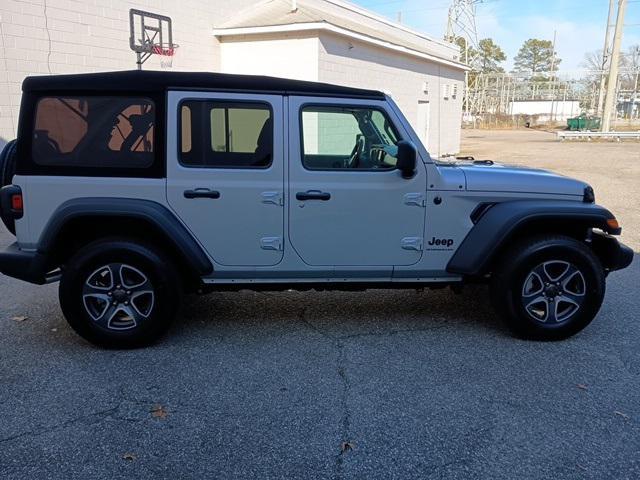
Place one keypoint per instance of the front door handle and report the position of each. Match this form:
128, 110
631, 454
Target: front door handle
313, 195
201, 193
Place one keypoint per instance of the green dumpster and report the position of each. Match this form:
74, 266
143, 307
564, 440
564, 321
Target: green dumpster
583, 122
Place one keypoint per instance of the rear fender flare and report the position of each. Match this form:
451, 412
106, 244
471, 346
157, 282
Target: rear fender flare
144, 210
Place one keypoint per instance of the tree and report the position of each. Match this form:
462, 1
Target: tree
630, 63
485, 58
490, 55
593, 61
467, 52
536, 56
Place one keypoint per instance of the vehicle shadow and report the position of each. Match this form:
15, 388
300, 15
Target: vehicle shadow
340, 314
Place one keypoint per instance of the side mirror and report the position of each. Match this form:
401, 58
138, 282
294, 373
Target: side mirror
406, 158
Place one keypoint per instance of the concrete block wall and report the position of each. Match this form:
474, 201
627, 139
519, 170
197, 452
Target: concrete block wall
352, 63
72, 36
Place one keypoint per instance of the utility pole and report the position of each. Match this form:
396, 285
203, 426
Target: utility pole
461, 23
606, 52
612, 83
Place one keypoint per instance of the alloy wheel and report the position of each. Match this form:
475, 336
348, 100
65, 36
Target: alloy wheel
118, 296
553, 291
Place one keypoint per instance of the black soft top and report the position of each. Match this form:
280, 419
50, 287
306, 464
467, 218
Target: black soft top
159, 81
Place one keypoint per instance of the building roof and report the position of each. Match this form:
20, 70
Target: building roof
342, 15
160, 81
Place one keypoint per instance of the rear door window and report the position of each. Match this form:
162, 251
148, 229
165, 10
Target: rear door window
219, 134
92, 131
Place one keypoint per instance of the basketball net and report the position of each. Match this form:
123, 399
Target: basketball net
166, 55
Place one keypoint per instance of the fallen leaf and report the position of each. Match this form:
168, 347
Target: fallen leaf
623, 415
347, 446
19, 318
158, 411
582, 386
129, 456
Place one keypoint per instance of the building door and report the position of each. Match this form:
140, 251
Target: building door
225, 173
424, 115
349, 206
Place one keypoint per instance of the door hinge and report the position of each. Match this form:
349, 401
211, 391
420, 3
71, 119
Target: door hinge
271, 243
275, 198
411, 243
417, 199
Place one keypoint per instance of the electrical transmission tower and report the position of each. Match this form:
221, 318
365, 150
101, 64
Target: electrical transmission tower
461, 29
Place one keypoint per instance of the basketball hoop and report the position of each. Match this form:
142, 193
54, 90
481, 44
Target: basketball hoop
150, 34
166, 54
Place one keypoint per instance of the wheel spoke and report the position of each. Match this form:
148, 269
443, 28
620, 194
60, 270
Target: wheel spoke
571, 298
96, 304
101, 280
552, 312
569, 273
555, 264
541, 273
533, 280
131, 278
539, 314
138, 295
574, 279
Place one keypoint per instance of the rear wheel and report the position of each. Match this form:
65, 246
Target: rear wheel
119, 293
548, 287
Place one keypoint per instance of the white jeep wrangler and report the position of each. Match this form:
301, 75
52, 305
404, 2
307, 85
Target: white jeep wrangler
134, 187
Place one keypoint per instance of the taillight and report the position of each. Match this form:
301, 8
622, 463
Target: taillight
16, 203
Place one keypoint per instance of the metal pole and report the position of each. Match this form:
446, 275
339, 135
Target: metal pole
605, 59
612, 82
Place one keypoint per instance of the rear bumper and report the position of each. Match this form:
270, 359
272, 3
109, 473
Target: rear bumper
613, 254
27, 266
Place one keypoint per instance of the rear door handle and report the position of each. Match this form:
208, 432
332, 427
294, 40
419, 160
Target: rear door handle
201, 193
313, 195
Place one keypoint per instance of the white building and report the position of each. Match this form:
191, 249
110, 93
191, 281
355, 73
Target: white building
546, 110
320, 40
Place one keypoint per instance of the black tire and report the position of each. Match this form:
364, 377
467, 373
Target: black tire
568, 299
136, 314
7, 163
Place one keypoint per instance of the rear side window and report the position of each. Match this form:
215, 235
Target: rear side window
108, 132
226, 134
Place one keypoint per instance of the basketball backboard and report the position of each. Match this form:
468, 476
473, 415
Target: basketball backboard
150, 34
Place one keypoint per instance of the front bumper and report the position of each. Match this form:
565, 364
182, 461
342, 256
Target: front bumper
27, 266
613, 254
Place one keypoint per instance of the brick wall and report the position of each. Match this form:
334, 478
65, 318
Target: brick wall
71, 36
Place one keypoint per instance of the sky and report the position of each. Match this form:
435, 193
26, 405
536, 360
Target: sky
580, 24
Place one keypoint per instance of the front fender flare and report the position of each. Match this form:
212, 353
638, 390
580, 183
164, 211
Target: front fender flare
494, 229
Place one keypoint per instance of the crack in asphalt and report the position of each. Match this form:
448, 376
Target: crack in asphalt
103, 414
100, 414
341, 362
337, 341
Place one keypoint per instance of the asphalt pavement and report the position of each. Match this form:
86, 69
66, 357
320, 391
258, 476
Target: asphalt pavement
380, 384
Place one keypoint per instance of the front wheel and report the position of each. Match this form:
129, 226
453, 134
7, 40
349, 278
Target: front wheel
118, 293
548, 287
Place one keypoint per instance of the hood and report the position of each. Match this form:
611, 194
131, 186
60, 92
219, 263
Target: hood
493, 177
